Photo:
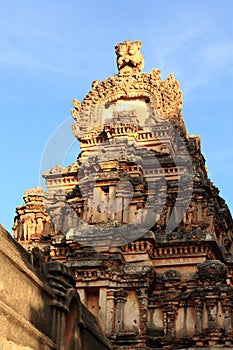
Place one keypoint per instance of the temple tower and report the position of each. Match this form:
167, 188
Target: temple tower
137, 218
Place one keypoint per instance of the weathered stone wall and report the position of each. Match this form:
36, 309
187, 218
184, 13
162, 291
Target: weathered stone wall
24, 298
42, 310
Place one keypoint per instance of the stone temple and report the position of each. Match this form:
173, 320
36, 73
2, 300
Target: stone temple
135, 219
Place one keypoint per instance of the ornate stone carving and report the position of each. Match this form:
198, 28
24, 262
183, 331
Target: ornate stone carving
32, 221
76, 104
164, 95
212, 271
35, 191
128, 55
161, 288
120, 298
171, 276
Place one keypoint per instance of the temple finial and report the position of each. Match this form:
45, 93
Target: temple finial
129, 57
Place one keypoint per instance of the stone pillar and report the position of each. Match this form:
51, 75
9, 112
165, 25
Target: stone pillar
120, 298
212, 308
125, 205
169, 316
227, 310
25, 231
119, 209
110, 311
112, 202
143, 304
85, 211
20, 231
199, 315
102, 305
96, 205
104, 207
131, 214
39, 226
82, 295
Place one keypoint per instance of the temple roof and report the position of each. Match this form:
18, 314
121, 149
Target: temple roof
164, 97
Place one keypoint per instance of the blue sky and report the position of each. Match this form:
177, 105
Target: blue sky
52, 50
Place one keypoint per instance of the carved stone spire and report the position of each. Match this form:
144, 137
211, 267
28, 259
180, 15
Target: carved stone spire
136, 217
